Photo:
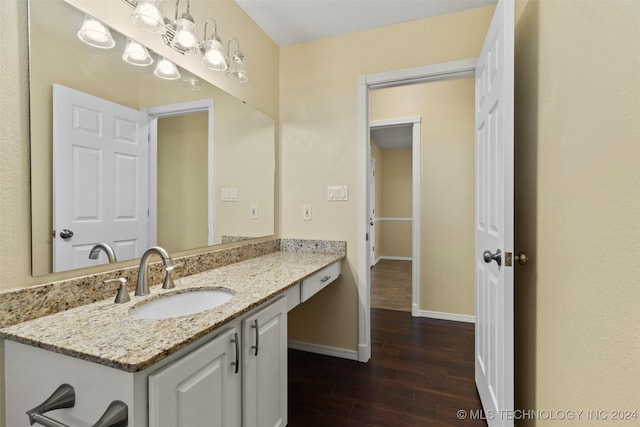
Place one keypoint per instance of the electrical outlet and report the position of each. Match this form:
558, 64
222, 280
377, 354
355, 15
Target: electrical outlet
253, 212
306, 212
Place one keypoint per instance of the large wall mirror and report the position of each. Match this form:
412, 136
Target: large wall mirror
201, 171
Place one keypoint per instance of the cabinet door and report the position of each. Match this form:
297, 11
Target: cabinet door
264, 376
200, 389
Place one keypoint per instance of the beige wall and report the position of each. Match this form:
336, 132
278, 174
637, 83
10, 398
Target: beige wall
578, 206
182, 174
447, 168
318, 134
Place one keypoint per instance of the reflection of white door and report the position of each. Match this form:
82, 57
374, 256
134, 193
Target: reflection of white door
494, 219
100, 178
372, 213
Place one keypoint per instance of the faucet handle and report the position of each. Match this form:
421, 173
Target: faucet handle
123, 294
168, 281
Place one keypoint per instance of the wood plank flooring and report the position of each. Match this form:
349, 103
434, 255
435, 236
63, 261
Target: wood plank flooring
391, 285
421, 373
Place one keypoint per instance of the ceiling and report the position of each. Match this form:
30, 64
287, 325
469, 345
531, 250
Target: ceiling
290, 22
394, 137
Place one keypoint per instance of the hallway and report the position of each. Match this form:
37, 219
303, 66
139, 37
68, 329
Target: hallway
391, 285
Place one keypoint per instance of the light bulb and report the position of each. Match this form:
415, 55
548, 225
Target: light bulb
185, 38
148, 16
167, 70
95, 33
136, 54
213, 56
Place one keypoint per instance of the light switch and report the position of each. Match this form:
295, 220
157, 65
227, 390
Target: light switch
253, 212
229, 194
306, 212
337, 193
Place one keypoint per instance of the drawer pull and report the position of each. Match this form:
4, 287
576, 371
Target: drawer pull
325, 279
237, 362
257, 328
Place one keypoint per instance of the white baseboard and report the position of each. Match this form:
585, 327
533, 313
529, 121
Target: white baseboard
443, 316
396, 258
325, 350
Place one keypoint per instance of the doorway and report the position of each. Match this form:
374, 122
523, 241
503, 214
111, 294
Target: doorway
432, 73
395, 206
193, 114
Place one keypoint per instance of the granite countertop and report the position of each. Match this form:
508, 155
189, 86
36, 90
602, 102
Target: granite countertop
105, 333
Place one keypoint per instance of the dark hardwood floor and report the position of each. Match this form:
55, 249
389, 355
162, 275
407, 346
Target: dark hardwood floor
420, 374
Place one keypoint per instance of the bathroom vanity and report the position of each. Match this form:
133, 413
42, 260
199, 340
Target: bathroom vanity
226, 366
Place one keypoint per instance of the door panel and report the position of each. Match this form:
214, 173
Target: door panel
494, 219
100, 178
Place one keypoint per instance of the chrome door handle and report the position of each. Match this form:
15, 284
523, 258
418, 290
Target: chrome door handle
257, 328
488, 257
237, 344
66, 234
521, 258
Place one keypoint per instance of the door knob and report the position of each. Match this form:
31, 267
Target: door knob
522, 258
66, 234
488, 256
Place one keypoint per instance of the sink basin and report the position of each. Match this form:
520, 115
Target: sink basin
182, 304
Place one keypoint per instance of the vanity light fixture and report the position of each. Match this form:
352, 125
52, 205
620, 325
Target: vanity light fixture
95, 33
136, 54
148, 16
180, 35
237, 68
167, 70
213, 51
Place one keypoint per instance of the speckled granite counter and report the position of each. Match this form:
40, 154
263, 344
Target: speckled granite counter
105, 333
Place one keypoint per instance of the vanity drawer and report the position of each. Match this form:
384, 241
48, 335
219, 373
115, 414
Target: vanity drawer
314, 284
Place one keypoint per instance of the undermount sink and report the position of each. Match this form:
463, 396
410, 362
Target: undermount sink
181, 304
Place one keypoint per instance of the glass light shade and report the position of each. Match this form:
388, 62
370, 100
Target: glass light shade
237, 69
148, 16
191, 82
95, 33
185, 37
136, 54
213, 55
167, 70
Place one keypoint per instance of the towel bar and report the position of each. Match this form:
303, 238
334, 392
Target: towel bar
116, 415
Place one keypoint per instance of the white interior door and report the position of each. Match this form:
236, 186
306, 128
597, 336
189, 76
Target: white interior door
372, 213
100, 178
494, 354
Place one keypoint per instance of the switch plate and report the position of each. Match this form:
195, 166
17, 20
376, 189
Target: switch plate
337, 193
306, 212
229, 194
253, 212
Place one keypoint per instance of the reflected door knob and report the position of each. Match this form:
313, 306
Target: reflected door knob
66, 234
488, 257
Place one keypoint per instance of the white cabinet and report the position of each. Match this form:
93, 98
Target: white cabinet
200, 389
264, 375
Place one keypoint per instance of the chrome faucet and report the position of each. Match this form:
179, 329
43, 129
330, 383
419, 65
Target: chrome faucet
95, 252
143, 287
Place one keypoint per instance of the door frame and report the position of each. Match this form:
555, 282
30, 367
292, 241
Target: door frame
172, 110
415, 122
430, 73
